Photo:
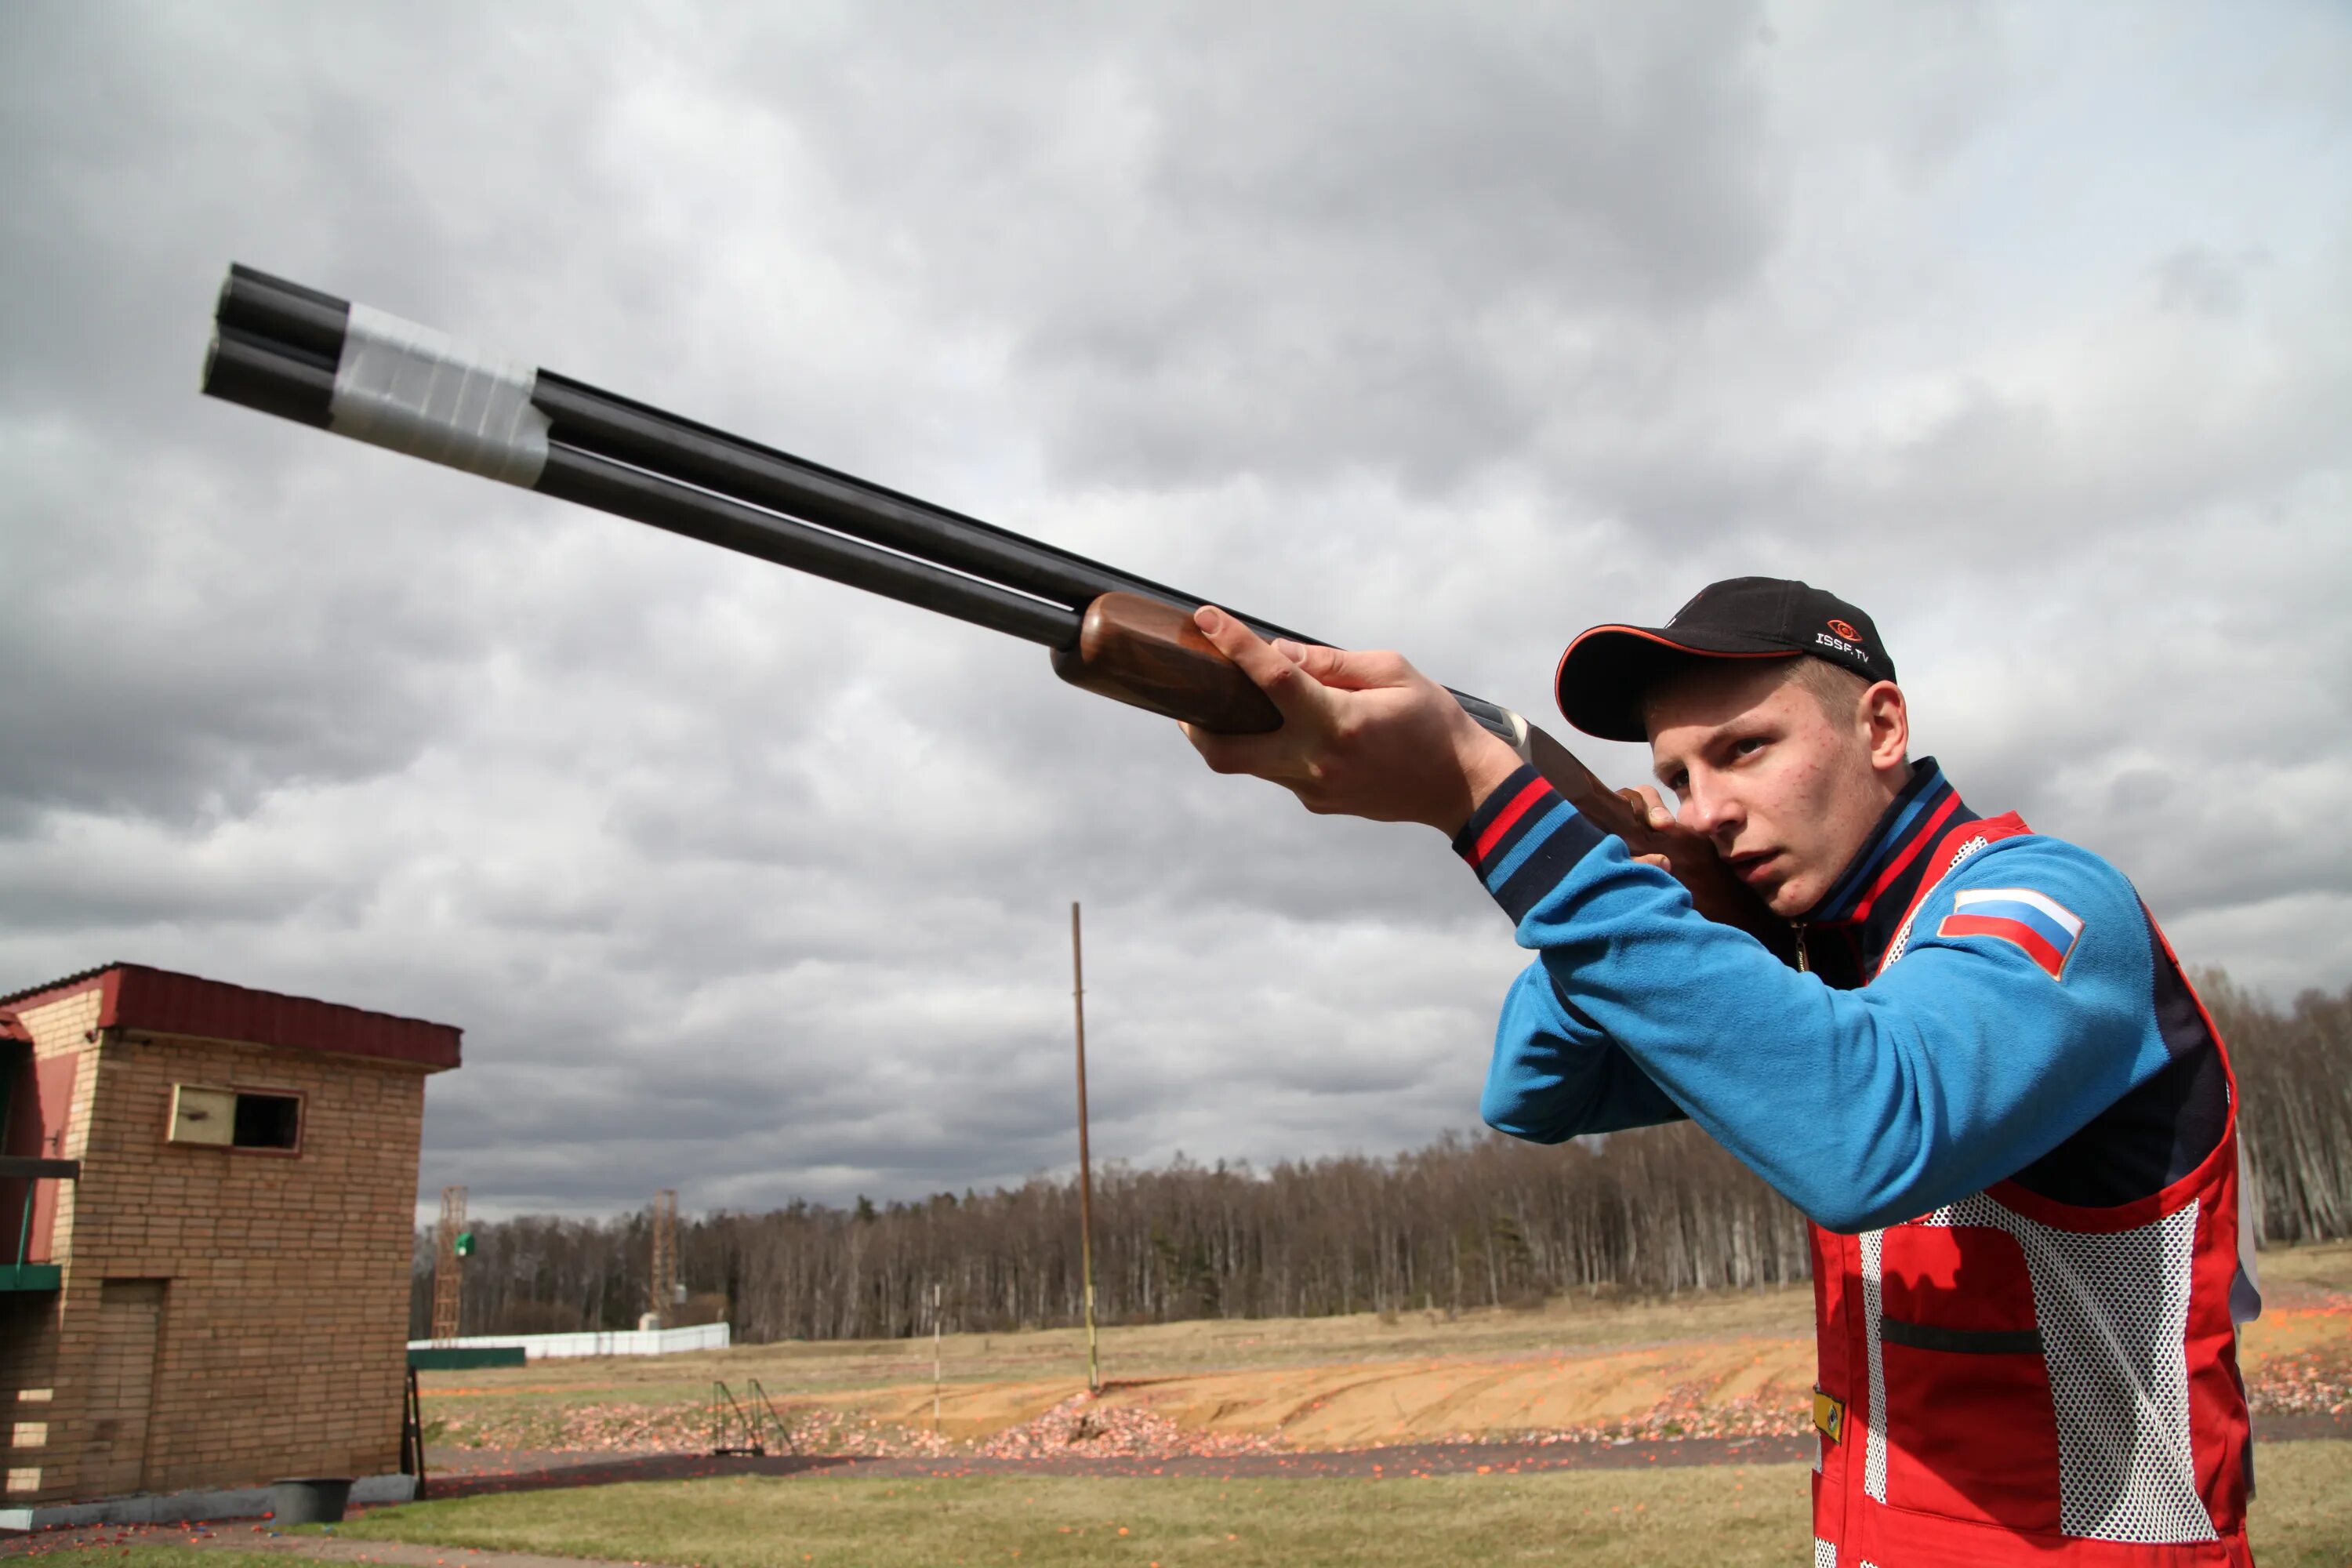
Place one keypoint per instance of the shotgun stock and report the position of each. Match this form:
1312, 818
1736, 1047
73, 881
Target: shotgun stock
308, 356
1148, 652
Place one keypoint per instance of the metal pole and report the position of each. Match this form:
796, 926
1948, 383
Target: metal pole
935, 1358
1085, 1163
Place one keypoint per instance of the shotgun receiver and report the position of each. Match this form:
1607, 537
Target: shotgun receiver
294, 352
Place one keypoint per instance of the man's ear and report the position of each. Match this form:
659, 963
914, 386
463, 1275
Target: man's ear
1886, 722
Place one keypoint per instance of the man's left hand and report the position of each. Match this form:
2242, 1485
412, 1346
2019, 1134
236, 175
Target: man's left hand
1363, 734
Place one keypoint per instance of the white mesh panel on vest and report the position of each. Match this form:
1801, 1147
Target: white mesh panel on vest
1874, 1431
2112, 1309
1824, 1554
1903, 932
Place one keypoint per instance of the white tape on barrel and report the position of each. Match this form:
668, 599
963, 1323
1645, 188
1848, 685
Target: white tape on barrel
420, 392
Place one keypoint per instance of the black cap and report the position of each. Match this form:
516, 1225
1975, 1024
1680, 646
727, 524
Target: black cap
1605, 671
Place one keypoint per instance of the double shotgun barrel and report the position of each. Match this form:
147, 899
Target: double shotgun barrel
294, 352
363, 373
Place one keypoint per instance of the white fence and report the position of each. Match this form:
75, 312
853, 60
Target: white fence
621, 1341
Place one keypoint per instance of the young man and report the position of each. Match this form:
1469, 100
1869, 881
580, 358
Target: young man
1986, 1083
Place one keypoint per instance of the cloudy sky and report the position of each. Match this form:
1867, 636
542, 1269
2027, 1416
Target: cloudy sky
1448, 329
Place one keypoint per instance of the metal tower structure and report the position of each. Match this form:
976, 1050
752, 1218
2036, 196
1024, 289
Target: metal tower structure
452, 1243
665, 1263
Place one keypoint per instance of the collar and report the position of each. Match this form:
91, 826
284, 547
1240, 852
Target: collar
1868, 899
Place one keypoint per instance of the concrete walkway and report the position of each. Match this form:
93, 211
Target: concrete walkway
333, 1549
313, 1548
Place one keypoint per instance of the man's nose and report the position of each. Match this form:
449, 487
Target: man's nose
1713, 812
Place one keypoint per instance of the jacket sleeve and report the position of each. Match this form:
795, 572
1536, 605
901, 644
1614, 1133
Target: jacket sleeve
1967, 1059
1555, 1076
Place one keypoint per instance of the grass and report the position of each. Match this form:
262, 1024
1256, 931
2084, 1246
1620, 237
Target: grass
1747, 1515
2304, 1517
155, 1557
2322, 1266
1730, 1516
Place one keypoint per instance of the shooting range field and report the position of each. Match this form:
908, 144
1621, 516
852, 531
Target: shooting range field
1726, 1363
1244, 1444
1725, 1516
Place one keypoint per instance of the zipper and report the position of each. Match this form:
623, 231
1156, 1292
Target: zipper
1804, 963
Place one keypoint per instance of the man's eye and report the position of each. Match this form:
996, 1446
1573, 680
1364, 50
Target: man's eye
1748, 746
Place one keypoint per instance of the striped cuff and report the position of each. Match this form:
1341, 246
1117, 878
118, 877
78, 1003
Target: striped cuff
1522, 839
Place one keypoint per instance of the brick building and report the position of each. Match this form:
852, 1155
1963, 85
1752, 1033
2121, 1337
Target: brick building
205, 1249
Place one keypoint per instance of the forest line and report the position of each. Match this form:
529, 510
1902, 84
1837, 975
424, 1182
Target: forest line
1464, 1222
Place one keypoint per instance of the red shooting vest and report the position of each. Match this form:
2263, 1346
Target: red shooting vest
2010, 1380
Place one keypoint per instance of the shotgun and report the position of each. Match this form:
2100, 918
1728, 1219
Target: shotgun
308, 356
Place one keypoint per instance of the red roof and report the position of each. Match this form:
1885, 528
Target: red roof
133, 996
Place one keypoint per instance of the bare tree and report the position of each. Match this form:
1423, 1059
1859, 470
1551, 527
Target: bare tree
1466, 1222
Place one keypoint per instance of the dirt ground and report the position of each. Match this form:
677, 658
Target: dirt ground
1728, 1365
1715, 1384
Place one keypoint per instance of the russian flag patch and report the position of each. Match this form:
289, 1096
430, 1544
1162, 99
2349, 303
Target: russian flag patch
2039, 924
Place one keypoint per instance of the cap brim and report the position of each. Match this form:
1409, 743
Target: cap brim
1605, 672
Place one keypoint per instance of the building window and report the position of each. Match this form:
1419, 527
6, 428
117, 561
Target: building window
237, 1118
268, 1121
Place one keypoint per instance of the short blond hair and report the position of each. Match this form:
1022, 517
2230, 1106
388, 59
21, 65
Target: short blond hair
1835, 686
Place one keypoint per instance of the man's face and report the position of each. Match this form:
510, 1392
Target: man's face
1787, 792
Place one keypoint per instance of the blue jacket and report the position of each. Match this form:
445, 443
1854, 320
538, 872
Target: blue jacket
2025, 1027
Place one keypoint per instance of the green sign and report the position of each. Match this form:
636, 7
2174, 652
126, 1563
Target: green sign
463, 1246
